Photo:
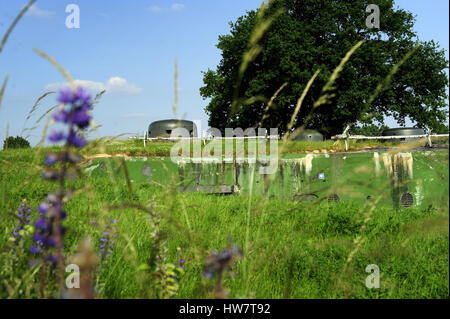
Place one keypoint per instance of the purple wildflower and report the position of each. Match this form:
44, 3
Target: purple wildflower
75, 140
24, 216
50, 175
22, 229
61, 116
181, 260
49, 230
81, 117
56, 137
77, 104
77, 97
51, 159
78, 114
217, 262
43, 208
65, 96
107, 240
35, 249
41, 223
181, 263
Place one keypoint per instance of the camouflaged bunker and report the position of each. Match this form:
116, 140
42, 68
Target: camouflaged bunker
404, 131
164, 128
309, 135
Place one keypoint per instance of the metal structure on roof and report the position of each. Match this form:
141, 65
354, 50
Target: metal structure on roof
164, 128
309, 135
404, 131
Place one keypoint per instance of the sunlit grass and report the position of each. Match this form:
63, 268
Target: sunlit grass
294, 250
291, 249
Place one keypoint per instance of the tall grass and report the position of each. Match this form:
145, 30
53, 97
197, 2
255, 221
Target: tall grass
294, 250
14, 23
290, 249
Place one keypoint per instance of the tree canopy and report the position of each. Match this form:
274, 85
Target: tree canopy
316, 34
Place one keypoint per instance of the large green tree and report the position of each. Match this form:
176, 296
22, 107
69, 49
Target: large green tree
316, 34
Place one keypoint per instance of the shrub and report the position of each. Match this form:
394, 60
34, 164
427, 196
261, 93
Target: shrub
16, 142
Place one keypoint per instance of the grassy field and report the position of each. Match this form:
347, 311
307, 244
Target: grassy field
135, 147
144, 238
290, 249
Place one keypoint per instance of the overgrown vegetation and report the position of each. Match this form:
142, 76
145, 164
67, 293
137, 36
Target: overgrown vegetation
15, 142
162, 148
149, 240
295, 250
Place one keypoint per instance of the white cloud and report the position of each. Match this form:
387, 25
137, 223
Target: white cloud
173, 7
35, 11
177, 6
120, 85
155, 9
115, 85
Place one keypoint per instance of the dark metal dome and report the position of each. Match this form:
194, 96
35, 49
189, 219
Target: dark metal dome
164, 128
309, 135
404, 131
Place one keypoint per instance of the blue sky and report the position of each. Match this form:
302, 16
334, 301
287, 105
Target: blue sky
129, 48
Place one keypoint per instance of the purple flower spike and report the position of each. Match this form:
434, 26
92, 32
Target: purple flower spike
61, 116
53, 198
75, 140
53, 259
35, 249
56, 137
75, 115
65, 96
43, 208
51, 159
41, 223
39, 238
24, 219
49, 229
51, 242
81, 118
79, 96
82, 96
107, 240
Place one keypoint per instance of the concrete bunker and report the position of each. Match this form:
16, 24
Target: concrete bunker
309, 135
164, 128
404, 131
